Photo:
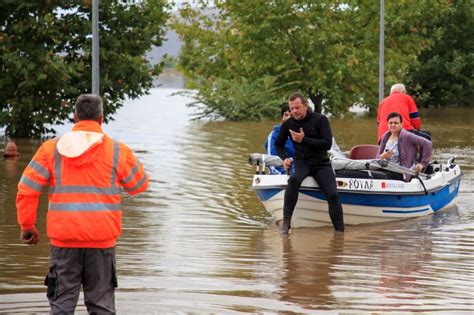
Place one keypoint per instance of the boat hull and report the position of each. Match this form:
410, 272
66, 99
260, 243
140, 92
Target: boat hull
363, 200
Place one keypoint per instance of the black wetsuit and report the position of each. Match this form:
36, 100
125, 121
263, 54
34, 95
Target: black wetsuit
311, 159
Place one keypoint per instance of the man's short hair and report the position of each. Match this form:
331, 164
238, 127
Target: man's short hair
284, 108
299, 95
88, 107
393, 115
398, 88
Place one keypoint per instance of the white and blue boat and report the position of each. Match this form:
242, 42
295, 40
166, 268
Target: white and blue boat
366, 194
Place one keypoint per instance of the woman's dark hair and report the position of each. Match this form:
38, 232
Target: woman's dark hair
284, 108
393, 115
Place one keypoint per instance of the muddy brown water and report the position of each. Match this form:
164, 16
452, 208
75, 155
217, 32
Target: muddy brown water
198, 241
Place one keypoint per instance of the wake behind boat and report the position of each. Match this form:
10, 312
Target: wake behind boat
365, 192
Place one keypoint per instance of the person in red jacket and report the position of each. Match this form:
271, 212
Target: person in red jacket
401, 103
84, 169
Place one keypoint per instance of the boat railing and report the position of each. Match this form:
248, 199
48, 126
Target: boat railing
375, 164
261, 161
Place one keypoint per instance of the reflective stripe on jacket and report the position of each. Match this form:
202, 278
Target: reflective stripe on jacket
84, 179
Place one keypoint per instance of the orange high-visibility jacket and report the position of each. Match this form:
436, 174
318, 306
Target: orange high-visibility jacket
403, 104
84, 169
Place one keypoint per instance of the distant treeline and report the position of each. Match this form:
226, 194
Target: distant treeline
245, 57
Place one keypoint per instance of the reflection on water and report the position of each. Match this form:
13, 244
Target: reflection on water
199, 241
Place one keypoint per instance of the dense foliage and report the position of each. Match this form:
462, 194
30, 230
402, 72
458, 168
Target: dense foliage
327, 49
242, 100
45, 52
444, 75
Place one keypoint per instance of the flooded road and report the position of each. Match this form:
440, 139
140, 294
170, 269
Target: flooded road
198, 241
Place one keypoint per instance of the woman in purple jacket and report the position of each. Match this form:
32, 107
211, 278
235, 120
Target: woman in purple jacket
400, 146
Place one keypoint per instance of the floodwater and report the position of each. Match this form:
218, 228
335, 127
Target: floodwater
198, 241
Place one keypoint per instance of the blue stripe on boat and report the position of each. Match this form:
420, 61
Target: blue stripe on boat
437, 200
407, 211
265, 194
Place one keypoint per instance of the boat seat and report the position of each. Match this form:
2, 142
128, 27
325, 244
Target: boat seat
364, 152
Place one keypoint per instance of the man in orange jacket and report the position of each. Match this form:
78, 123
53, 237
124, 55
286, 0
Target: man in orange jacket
400, 102
84, 169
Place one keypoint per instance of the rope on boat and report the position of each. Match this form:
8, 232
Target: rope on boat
422, 184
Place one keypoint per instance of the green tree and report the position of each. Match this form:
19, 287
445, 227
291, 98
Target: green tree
45, 53
327, 49
444, 75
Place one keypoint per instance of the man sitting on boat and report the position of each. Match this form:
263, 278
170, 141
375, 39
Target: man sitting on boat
270, 143
400, 146
312, 137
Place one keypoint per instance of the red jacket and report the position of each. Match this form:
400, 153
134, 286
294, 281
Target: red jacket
84, 169
401, 103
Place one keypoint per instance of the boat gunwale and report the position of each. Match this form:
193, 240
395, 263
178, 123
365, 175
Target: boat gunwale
420, 192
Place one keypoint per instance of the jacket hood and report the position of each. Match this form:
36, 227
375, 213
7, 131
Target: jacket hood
85, 138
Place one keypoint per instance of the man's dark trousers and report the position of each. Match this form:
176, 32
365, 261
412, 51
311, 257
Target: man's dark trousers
93, 268
324, 176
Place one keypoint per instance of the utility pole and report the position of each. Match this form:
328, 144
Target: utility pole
95, 48
381, 51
